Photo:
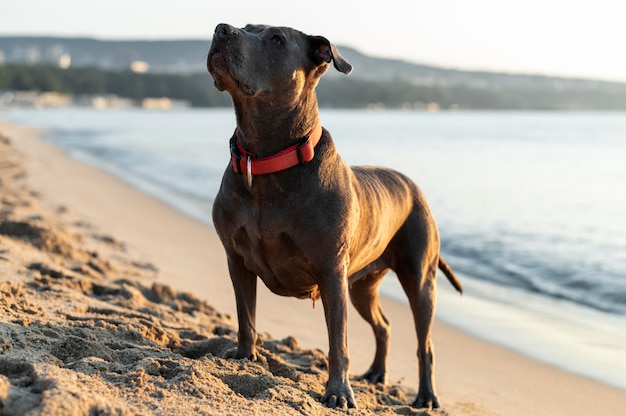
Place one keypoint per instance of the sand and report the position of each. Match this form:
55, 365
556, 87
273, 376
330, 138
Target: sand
113, 303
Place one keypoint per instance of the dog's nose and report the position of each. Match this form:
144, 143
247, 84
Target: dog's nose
225, 30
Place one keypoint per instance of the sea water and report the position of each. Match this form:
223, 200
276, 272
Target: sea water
531, 206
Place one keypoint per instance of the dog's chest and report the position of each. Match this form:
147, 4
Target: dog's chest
277, 257
287, 233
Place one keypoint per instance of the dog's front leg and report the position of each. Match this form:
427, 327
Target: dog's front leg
244, 284
334, 291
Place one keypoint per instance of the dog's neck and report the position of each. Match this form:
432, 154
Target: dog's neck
263, 129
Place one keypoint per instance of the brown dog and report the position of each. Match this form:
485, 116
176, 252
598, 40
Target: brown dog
293, 213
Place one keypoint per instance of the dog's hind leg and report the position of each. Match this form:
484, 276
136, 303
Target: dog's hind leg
419, 284
364, 296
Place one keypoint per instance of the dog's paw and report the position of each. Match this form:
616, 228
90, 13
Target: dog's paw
341, 398
237, 354
426, 401
375, 375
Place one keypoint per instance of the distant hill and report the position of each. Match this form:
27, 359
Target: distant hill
188, 56
381, 69
177, 69
163, 56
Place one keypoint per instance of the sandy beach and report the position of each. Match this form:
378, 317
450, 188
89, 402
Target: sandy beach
113, 303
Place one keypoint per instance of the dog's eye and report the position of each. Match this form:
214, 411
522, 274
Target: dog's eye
277, 40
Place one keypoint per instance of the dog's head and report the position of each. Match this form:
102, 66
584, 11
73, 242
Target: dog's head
260, 60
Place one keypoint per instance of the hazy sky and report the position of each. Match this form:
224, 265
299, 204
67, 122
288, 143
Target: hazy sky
557, 37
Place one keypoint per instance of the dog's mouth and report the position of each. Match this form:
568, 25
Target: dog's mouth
220, 67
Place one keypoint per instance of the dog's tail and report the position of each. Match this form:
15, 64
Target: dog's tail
447, 270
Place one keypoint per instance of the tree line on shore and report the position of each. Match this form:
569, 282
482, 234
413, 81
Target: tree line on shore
343, 92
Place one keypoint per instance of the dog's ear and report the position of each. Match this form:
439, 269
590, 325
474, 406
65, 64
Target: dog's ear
324, 51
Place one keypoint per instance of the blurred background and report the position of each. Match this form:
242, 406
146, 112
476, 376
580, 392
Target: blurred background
485, 54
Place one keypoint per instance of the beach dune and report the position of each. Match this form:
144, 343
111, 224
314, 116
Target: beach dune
114, 303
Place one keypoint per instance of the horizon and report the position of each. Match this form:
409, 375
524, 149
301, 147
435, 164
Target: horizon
557, 39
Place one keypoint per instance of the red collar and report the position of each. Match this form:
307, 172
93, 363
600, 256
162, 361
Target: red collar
300, 153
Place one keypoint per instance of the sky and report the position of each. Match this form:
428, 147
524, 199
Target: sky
575, 38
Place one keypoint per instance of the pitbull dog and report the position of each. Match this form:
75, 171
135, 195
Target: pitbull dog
291, 212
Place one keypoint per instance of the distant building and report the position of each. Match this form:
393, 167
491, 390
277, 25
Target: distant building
432, 107
103, 101
56, 55
139, 67
34, 99
65, 61
54, 99
163, 103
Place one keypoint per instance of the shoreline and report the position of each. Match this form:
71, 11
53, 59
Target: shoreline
473, 376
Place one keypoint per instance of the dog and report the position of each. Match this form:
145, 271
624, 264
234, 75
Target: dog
291, 212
